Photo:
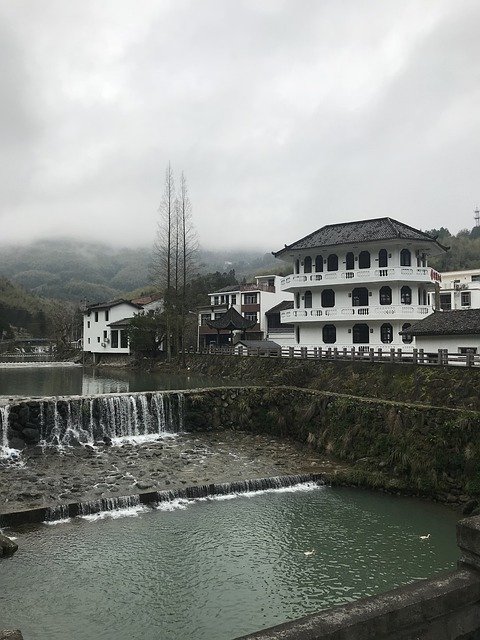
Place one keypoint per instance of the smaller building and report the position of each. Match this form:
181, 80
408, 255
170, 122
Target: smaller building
260, 347
105, 326
459, 290
455, 331
252, 301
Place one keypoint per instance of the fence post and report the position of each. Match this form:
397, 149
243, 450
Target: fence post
344, 353
415, 356
352, 353
399, 354
315, 354
303, 352
372, 355
469, 359
392, 355
380, 353
320, 350
440, 356
421, 356
335, 353
291, 352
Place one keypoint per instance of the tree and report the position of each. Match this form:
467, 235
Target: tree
146, 333
173, 258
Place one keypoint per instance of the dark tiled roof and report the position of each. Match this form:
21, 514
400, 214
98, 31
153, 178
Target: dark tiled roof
120, 323
112, 303
282, 306
360, 231
231, 320
259, 344
447, 323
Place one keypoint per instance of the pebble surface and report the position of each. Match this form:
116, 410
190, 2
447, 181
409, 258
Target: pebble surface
79, 474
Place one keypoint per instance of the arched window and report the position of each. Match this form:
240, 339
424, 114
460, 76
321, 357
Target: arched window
297, 266
297, 301
386, 333
307, 265
408, 339
308, 299
406, 295
383, 258
385, 295
364, 260
318, 264
405, 258
297, 334
361, 334
349, 261
360, 297
332, 262
329, 334
328, 298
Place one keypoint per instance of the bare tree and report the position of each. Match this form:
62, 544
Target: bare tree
173, 258
162, 252
189, 244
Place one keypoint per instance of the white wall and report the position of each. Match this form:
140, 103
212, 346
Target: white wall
95, 331
452, 343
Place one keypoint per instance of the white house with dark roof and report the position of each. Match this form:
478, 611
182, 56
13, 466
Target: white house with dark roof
457, 331
252, 301
359, 284
105, 326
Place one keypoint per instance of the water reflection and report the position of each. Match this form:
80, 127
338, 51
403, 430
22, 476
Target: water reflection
53, 381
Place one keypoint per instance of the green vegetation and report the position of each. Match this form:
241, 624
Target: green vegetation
20, 310
464, 250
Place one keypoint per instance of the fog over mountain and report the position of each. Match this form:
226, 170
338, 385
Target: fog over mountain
285, 115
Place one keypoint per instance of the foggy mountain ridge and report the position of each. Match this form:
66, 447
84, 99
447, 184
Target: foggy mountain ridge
74, 270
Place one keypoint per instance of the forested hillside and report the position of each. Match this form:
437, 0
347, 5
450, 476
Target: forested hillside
463, 253
22, 310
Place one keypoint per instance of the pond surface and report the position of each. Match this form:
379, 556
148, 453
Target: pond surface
217, 569
77, 380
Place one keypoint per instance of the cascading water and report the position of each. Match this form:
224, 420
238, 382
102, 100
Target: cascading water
4, 411
71, 421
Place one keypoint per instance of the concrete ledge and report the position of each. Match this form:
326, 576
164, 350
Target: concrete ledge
444, 608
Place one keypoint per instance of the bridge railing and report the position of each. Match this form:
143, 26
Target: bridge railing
442, 357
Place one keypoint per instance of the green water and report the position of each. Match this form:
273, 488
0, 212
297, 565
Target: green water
52, 381
218, 569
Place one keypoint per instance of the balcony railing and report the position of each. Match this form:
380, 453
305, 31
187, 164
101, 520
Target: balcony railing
408, 274
381, 312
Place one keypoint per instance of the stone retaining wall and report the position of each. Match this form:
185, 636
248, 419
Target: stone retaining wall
441, 386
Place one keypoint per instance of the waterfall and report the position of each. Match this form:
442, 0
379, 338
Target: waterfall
131, 505
63, 422
4, 411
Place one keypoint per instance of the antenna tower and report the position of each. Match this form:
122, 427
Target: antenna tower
477, 216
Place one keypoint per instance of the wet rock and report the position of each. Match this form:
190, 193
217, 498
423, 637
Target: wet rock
7, 546
17, 443
31, 436
107, 441
13, 634
470, 507
143, 485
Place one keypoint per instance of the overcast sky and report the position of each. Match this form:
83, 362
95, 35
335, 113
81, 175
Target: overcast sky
285, 115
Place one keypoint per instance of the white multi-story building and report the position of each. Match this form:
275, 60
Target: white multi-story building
358, 284
252, 301
460, 290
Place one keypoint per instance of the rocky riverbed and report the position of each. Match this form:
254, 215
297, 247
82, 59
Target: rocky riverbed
53, 477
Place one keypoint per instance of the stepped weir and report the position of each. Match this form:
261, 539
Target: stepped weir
75, 420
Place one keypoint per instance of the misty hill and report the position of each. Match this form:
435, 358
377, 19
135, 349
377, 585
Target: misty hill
23, 310
72, 270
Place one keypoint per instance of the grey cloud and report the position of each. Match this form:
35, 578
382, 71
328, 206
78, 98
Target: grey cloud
284, 115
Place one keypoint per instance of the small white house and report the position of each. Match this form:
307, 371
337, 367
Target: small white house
105, 326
